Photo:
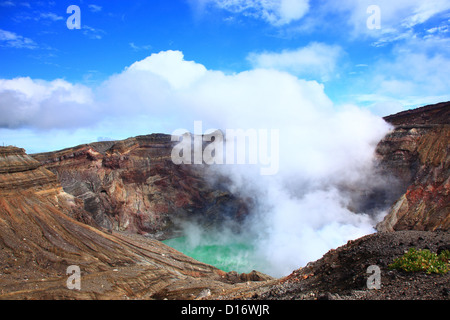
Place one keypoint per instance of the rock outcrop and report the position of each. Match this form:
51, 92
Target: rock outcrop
342, 273
39, 240
417, 154
19, 171
132, 185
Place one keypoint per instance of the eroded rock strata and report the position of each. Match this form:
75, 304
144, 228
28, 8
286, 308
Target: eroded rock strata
417, 154
39, 241
132, 185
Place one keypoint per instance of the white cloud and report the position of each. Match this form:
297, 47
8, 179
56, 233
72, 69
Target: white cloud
423, 65
13, 40
415, 77
275, 12
284, 11
413, 74
388, 36
399, 19
50, 16
95, 8
172, 67
7, 4
25, 102
166, 84
424, 10
93, 33
136, 47
317, 60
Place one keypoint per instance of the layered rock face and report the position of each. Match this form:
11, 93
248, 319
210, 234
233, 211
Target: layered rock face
19, 171
132, 185
417, 154
39, 241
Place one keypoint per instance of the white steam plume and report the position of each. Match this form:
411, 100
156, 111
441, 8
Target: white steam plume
303, 210
324, 151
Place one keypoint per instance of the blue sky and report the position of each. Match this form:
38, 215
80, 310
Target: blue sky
138, 67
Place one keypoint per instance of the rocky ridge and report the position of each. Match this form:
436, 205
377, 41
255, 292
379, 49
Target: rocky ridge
19, 171
39, 241
132, 185
417, 154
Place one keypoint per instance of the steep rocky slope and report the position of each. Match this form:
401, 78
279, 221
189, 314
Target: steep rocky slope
132, 185
417, 154
342, 273
39, 241
19, 171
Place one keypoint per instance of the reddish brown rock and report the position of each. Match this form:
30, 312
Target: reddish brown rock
417, 153
132, 185
39, 241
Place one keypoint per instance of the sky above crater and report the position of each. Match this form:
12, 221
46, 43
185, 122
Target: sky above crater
139, 67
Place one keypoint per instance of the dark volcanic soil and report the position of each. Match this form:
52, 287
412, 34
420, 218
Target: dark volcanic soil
342, 273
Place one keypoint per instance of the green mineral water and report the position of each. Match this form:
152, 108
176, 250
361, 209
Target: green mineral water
228, 256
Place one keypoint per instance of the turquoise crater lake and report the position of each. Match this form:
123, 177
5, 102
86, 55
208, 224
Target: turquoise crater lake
231, 255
